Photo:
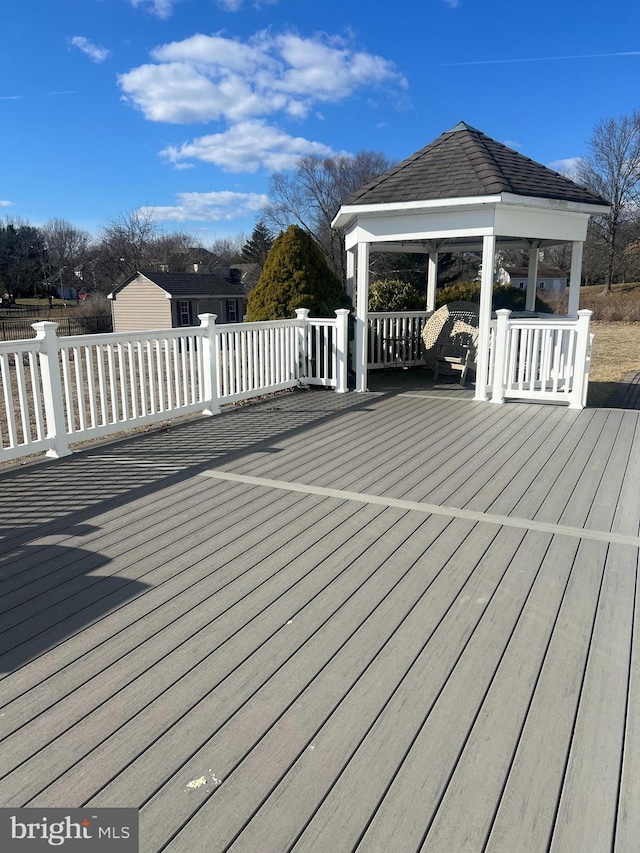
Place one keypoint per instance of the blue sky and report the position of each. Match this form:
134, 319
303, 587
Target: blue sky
187, 106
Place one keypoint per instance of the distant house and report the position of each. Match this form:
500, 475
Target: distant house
164, 300
249, 274
552, 279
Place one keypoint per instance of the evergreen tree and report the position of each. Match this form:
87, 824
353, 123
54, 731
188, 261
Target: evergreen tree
295, 275
258, 246
392, 294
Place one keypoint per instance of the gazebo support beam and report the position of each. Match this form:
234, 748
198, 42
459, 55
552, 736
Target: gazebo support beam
486, 298
362, 310
532, 276
575, 277
432, 281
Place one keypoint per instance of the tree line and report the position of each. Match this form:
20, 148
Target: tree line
45, 260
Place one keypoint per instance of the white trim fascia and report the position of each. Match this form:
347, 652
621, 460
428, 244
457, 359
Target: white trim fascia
349, 212
555, 204
346, 212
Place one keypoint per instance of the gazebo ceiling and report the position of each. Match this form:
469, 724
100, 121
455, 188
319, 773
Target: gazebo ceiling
464, 163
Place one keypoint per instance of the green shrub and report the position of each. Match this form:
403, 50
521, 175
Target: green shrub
295, 275
391, 294
504, 296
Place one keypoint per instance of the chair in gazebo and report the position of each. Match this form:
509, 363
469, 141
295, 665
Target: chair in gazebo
450, 338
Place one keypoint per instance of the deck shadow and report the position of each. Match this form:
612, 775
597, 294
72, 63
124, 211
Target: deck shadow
55, 496
33, 622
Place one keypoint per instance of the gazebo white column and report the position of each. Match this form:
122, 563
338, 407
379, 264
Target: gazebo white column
532, 276
351, 273
486, 298
575, 277
432, 281
362, 306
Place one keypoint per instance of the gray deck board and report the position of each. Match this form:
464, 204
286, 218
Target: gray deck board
239, 665
588, 803
181, 600
417, 469
407, 447
527, 809
276, 574
343, 676
628, 815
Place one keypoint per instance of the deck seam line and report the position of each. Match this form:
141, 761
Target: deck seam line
431, 509
437, 397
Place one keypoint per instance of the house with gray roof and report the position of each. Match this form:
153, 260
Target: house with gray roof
165, 300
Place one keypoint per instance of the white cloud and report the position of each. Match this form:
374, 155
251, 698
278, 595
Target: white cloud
510, 143
567, 167
97, 54
6, 204
236, 5
204, 78
162, 9
453, 4
210, 207
246, 147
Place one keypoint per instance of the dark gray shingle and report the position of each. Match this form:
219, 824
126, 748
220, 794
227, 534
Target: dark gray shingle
464, 162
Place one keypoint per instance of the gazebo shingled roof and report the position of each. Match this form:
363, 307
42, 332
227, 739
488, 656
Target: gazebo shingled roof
463, 162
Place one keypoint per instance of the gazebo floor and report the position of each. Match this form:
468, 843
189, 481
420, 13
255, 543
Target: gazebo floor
398, 621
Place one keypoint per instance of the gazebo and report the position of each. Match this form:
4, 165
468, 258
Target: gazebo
465, 192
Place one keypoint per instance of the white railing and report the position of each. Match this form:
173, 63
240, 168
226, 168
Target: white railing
395, 338
256, 358
22, 382
323, 349
541, 359
57, 391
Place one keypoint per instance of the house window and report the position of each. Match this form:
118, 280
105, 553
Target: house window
232, 311
184, 312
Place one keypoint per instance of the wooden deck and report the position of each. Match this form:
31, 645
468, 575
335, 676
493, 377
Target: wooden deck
399, 621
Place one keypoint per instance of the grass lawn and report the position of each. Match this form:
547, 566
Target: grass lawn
616, 351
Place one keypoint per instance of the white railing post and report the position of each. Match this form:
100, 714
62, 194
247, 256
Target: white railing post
52, 389
210, 364
302, 315
499, 362
578, 394
342, 343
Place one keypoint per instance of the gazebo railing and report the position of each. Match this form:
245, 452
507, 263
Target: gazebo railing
395, 338
541, 359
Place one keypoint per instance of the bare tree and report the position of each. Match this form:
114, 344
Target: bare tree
124, 243
612, 169
311, 195
65, 250
133, 241
227, 250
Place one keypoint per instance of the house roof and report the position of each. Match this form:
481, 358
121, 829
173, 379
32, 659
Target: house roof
190, 285
249, 274
462, 163
543, 272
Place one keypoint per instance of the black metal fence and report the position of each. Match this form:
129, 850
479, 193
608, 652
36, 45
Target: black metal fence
14, 329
